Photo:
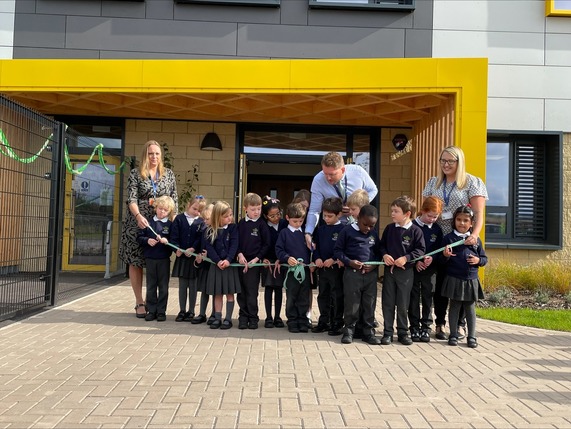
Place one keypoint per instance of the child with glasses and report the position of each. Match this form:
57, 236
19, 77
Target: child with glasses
273, 279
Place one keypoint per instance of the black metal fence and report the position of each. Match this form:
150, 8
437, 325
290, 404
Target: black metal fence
32, 214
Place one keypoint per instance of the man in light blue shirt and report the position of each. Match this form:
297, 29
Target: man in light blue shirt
335, 180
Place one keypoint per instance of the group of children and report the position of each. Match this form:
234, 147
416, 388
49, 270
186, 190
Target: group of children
221, 258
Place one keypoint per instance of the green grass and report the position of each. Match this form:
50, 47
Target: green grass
556, 320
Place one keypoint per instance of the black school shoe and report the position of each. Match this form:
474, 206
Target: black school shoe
211, 320
347, 338
425, 336
269, 323
319, 328
372, 340
405, 340
415, 336
335, 330
439, 333
293, 329
452, 341
279, 323
253, 325
201, 318
386, 340
303, 328
161, 317
472, 342
150, 316
180, 316
188, 317
216, 323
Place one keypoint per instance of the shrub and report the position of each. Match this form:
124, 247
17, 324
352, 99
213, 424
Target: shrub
550, 275
499, 295
542, 295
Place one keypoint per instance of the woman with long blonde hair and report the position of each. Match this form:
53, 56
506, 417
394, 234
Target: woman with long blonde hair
145, 184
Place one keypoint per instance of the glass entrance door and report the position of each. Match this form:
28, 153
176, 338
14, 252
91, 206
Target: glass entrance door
91, 203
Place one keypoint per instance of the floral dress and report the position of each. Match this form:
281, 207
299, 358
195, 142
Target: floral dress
140, 190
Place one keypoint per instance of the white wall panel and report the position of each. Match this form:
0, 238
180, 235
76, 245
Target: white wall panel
558, 49
499, 47
558, 24
516, 81
490, 15
558, 115
6, 29
515, 114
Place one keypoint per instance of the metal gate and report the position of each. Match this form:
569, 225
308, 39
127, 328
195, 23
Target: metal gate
33, 165
30, 177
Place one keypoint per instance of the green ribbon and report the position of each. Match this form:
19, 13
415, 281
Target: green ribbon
6, 149
301, 264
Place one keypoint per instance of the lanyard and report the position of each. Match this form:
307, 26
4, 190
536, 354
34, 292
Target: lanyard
445, 197
154, 183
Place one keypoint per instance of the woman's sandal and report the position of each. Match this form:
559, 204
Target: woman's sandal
140, 315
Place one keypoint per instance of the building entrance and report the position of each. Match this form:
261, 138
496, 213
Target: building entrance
279, 160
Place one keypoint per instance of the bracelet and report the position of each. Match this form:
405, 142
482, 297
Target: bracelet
137, 215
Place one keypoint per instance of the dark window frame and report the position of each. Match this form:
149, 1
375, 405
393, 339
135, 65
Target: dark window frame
386, 5
270, 3
534, 211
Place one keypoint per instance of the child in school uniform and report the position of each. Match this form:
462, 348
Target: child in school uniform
357, 244
202, 271
329, 271
462, 284
401, 243
154, 240
186, 232
291, 249
254, 239
221, 246
303, 197
273, 279
425, 271
355, 201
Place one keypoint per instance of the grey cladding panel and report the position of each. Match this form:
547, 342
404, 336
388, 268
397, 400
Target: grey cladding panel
123, 9
319, 42
418, 44
41, 53
135, 35
356, 19
41, 31
294, 12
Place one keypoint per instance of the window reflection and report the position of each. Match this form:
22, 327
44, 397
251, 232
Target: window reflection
497, 173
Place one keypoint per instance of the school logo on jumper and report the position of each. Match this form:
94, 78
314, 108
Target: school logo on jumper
433, 238
334, 236
406, 239
371, 241
254, 232
165, 230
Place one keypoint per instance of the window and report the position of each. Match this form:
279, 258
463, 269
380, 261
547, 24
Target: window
274, 3
523, 177
397, 5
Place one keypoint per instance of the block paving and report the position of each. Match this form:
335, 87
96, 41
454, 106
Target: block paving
92, 364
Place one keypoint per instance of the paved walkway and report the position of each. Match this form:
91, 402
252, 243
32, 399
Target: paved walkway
92, 364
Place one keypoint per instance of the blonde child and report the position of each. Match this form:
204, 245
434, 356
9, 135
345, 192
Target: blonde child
154, 240
221, 246
186, 232
355, 201
202, 271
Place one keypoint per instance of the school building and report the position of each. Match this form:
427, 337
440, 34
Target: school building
249, 94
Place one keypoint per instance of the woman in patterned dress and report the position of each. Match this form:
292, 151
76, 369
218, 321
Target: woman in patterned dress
145, 184
456, 188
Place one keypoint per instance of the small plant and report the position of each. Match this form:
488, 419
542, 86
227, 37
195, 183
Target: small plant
186, 188
568, 297
499, 295
542, 295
